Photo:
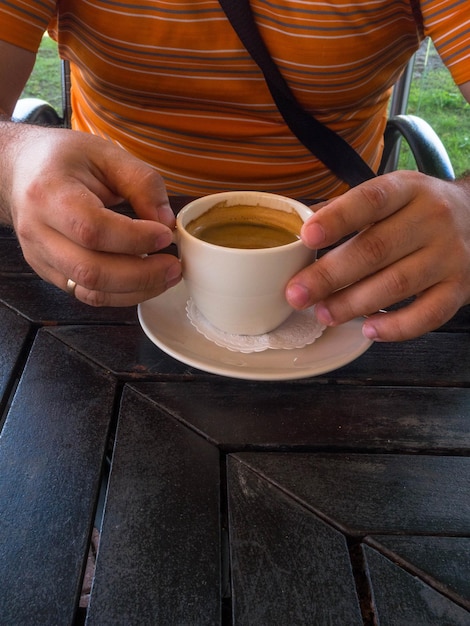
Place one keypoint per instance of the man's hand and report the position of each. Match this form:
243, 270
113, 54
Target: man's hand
413, 239
55, 187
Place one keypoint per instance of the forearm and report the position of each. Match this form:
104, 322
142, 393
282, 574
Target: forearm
5, 183
464, 182
13, 138
15, 67
10, 134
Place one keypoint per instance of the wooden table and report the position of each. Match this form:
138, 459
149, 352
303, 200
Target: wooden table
341, 499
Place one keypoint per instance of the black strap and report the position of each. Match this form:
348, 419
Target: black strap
418, 16
328, 146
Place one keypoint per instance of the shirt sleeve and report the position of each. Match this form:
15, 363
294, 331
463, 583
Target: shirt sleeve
23, 22
447, 23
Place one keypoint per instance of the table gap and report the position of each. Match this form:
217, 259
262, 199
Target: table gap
416, 571
361, 580
225, 565
82, 612
15, 375
341, 449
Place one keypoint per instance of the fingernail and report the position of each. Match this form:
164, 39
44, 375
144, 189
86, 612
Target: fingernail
313, 234
164, 239
323, 315
298, 296
165, 210
370, 332
173, 275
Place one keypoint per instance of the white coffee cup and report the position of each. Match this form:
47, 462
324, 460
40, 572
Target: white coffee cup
240, 290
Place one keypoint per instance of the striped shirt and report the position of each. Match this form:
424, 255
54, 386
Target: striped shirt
169, 80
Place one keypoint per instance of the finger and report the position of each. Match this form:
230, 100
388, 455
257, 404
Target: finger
364, 254
135, 181
153, 282
112, 273
432, 309
409, 276
365, 204
106, 277
90, 225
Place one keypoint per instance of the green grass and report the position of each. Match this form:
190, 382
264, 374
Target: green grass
433, 96
45, 81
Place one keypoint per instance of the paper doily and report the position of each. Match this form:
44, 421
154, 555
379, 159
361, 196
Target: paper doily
300, 329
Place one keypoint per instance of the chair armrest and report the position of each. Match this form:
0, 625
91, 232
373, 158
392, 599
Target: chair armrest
428, 150
36, 111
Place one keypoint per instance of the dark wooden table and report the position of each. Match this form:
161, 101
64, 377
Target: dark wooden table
341, 499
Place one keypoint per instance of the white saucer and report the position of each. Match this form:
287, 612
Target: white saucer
164, 321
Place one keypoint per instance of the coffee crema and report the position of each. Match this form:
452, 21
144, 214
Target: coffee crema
248, 227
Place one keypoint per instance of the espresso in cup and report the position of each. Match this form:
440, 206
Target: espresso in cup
239, 284
248, 227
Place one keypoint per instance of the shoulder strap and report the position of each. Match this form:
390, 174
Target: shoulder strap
328, 146
417, 16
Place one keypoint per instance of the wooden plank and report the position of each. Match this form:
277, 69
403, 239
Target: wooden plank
51, 451
125, 351
14, 333
12, 261
45, 304
315, 416
437, 359
442, 562
159, 557
288, 567
364, 494
401, 598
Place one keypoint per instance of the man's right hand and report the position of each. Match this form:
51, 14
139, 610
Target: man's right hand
55, 185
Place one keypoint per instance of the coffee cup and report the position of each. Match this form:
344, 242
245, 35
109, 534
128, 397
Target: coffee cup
238, 250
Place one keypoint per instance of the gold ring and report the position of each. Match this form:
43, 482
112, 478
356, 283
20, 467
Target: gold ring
70, 287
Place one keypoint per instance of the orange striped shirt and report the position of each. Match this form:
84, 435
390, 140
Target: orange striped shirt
170, 82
